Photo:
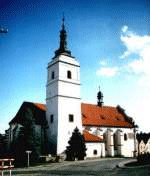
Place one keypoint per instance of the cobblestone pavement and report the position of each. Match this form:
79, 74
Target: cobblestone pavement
101, 167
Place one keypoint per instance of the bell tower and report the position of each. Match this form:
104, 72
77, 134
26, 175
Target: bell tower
62, 96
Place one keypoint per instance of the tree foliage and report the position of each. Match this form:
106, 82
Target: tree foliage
3, 149
143, 136
76, 148
27, 139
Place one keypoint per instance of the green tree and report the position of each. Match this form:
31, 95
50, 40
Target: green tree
31, 137
27, 139
18, 148
76, 148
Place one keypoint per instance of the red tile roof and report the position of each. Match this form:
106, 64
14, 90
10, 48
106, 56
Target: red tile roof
88, 137
37, 109
40, 106
93, 115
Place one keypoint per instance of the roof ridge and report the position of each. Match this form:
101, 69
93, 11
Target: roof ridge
98, 106
34, 102
39, 103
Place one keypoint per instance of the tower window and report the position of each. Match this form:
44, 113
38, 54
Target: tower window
125, 137
69, 74
95, 152
71, 118
52, 118
53, 75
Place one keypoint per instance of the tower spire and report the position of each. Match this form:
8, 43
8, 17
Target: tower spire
63, 41
100, 98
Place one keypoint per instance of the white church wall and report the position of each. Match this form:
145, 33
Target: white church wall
74, 68
67, 107
69, 60
63, 99
52, 83
52, 67
125, 147
95, 150
110, 142
128, 145
71, 90
53, 89
52, 131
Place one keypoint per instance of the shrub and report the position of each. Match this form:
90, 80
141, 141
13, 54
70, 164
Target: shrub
76, 148
144, 158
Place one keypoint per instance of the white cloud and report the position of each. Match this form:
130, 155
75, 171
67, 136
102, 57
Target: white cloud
136, 66
137, 74
135, 44
124, 28
108, 72
104, 63
139, 46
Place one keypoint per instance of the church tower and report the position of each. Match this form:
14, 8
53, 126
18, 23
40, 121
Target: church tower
63, 96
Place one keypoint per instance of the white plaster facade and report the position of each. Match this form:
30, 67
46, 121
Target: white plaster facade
95, 150
116, 144
63, 101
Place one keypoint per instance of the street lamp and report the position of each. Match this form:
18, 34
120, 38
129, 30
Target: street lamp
28, 152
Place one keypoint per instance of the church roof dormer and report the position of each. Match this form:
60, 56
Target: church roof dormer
63, 41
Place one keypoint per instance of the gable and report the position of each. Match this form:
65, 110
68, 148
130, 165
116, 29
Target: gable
36, 110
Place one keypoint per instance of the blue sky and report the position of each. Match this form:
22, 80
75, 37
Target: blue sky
110, 38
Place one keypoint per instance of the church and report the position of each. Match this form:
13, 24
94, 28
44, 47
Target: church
107, 131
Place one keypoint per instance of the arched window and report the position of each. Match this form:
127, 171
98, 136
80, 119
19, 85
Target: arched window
115, 141
53, 75
125, 137
69, 74
95, 152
